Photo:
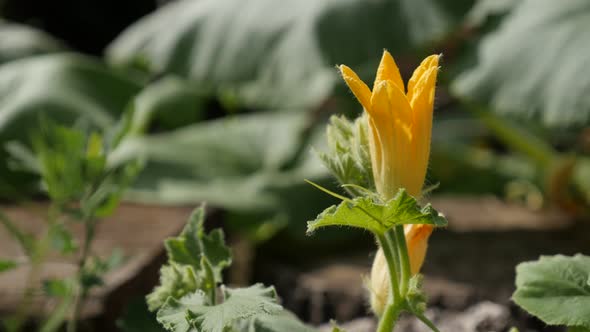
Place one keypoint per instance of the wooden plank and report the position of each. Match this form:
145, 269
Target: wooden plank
138, 230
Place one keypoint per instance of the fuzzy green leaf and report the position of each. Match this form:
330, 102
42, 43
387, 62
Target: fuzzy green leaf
555, 289
366, 213
175, 281
193, 244
196, 260
173, 314
281, 322
239, 304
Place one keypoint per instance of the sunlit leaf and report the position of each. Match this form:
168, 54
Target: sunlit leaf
365, 213
20, 41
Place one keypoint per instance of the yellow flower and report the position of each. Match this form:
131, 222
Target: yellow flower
400, 129
400, 123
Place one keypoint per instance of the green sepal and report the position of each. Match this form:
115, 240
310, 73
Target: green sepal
416, 298
367, 213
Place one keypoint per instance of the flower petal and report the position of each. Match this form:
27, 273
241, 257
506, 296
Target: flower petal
388, 70
422, 108
357, 86
427, 64
417, 240
390, 118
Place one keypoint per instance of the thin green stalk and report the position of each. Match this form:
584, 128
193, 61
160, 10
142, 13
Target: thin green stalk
427, 322
36, 251
388, 252
395, 300
81, 291
406, 272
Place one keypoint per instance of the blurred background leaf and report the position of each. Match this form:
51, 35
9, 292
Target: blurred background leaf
518, 73
279, 54
61, 87
19, 41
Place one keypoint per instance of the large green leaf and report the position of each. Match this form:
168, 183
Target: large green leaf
195, 262
365, 213
284, 321
537, 64
61, 87
279, 53
239, 304
20, 41
556, 289
239, 162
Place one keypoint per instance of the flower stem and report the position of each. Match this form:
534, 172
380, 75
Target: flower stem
81, 290
406, 272
390, 316
427, 322
389, 252
395, 300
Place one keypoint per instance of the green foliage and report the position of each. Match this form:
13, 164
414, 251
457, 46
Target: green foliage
175, 281
187, 299
367, 213
416, 297
196, 260
348, 157
170, 103
279, 322
57, 287
63, 88
238, 304
19, 41
518, 74
283, 60
556, 289
239, 162
61, 239
6, 265
193, 245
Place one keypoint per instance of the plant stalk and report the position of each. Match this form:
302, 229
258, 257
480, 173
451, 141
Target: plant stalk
81, 291
406, 272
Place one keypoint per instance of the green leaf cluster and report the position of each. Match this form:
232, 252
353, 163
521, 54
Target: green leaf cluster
195, 262
377, 217
187, 298
556, 289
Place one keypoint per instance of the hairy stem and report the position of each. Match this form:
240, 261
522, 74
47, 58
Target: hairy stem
389, 318
393, 308
427, 322
406, 272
